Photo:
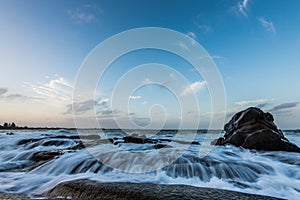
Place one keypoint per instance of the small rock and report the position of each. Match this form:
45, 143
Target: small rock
45, 155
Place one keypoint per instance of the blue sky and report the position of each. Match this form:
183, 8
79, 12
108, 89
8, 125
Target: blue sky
254, 43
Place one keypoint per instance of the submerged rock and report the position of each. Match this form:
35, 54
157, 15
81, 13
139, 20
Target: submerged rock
254, 129
46, 155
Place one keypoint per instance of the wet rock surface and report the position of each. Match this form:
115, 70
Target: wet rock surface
64, 144
87, 189
254, 129
57, 139
145, 140
45, 155
13, 196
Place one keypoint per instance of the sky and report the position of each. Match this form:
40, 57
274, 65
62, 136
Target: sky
254, 44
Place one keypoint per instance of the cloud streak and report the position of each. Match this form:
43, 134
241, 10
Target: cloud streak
193, 88
82, 107
205, 28
283, 106
242, 7
267, 25
3, 91
183, 46
134, 97
85, 14
57, 90
15, 96
257, 101
262, 105
147, 81
193, 36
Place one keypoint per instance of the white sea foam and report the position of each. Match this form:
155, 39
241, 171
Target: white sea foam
271, 173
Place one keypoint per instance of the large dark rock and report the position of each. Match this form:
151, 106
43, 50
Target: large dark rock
254, 129
87, 189
137, 140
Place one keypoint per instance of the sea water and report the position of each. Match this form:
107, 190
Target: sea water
224, 167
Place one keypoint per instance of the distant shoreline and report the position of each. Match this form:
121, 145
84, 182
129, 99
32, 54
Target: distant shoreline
35, 128
115, 129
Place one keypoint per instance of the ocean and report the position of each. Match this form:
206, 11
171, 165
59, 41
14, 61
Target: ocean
166, 157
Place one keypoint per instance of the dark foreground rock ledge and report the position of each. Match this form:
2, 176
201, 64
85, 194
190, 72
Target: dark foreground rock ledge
87, 189
254, 129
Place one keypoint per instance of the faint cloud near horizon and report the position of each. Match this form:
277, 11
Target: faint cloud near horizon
19, 97
134, 97
15, 96
3, 91
85, 14
247, 102
283, 106
268, 25
82, 107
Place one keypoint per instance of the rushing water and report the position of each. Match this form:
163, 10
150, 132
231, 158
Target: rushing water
225, 167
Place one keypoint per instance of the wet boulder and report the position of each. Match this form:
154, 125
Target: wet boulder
254, 129
139, 140
45, 155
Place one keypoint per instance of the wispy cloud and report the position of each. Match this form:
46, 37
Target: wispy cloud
134, 97
100, 106
242, 7
147, 81
104, 110
85, 14
247, 102
20, 97
194, 87
283, 106
267, 25
3, 91
262, 105
103, 101
215, 57
57, 90
81, 107
183, 46
15, 96
204, 28
192, 35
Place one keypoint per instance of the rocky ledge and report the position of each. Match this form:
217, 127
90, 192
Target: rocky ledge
254, 129
87, 189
